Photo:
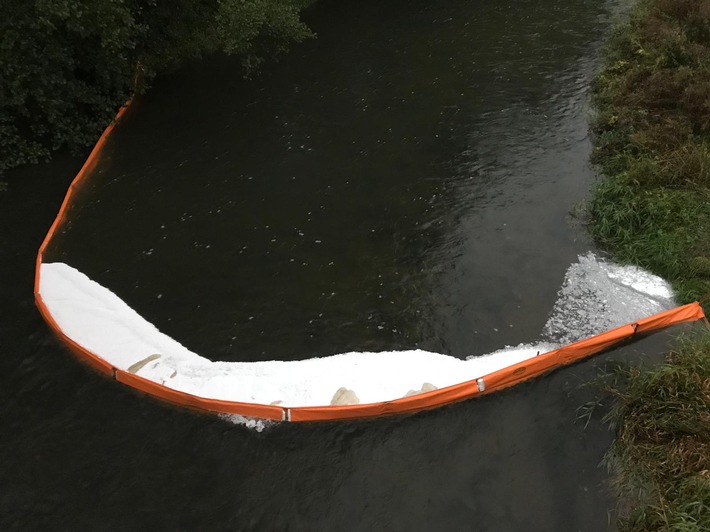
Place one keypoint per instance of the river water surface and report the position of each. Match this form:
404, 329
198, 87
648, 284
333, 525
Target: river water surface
404, 180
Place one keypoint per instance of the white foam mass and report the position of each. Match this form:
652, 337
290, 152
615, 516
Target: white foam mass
595, 295
259, 425
101, 322
598, 295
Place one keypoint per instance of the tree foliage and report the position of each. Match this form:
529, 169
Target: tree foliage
68, 64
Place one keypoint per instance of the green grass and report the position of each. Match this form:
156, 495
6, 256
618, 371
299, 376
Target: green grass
652, 142
661, 456
652, 209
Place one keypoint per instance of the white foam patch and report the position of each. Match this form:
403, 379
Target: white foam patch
595, 295
253, 423
101, 322
598, 295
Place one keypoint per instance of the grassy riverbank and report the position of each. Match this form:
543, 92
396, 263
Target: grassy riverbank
653, 209
661, 456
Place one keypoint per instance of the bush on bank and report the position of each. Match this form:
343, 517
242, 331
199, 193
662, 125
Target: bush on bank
652, 209
67, 65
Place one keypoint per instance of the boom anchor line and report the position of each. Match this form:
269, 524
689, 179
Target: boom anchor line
537, 364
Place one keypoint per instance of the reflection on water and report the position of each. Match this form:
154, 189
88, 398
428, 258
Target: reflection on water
399, 183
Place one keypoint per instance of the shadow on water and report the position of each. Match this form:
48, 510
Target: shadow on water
490, 233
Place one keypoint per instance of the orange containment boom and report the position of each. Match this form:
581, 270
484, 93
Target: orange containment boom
485, 384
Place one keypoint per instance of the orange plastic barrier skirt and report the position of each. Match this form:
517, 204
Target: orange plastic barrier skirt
485, 384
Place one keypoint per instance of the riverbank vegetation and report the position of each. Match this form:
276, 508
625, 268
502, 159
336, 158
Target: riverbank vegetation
67, 65
661, 455
652, 209
653, 144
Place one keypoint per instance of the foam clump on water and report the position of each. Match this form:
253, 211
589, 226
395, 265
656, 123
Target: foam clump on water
98, 320
510, 355
598, 295
253, 423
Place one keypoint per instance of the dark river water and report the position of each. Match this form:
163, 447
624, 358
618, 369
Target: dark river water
404, 180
